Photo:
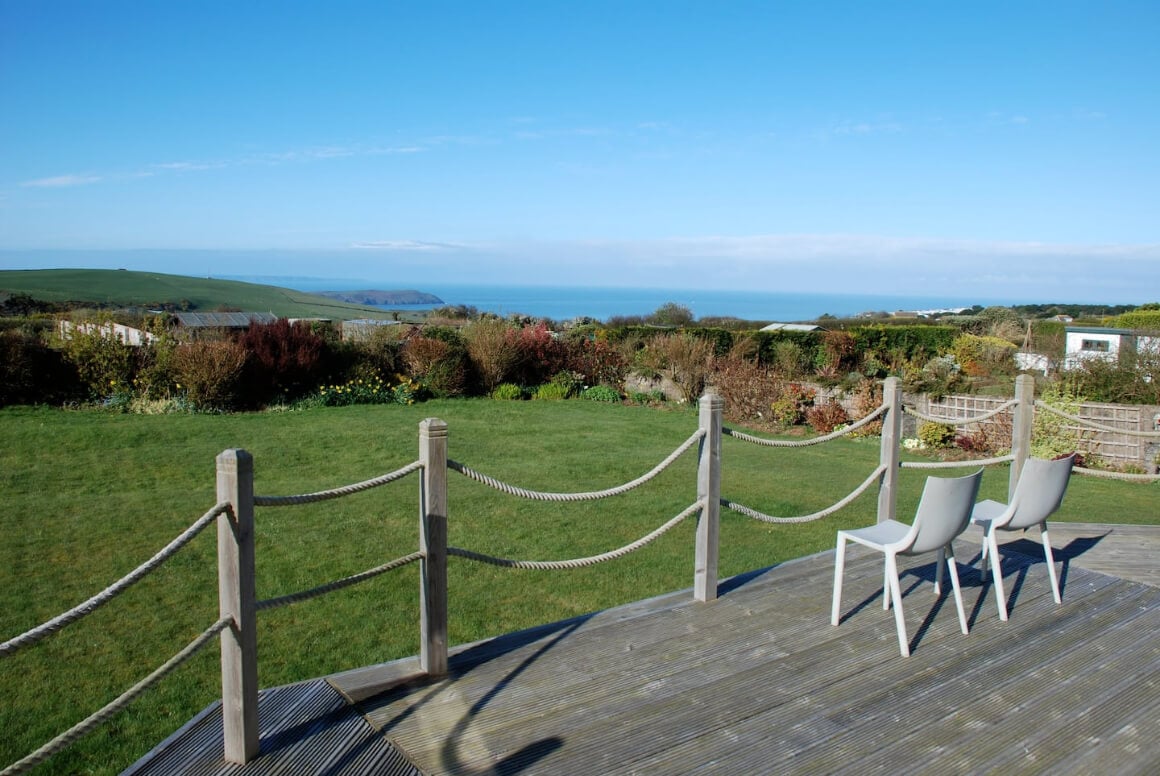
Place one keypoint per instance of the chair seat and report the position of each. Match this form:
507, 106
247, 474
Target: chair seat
879, 535
986, 511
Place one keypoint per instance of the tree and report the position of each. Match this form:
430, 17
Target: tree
671, 314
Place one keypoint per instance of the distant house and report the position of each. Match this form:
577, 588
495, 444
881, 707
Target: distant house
791, 327
1085, 343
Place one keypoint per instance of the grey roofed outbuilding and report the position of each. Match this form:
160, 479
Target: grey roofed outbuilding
791, 327
222, 320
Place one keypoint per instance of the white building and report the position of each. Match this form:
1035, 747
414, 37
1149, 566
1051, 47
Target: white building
109, 330
1090, 342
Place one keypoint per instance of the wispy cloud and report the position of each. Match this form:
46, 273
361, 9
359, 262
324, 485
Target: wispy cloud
292, 156
406, 245
62, 181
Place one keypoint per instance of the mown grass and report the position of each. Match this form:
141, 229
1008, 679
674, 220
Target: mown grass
88, 496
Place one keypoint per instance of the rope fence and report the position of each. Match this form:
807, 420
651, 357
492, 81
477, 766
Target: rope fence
575, 563
956, 464
1108, 475
961, 421
330, 587
596, 495
76, 732
112, 591
326, 495
841, 432
858, 491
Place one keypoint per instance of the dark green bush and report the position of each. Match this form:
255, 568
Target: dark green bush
601, 393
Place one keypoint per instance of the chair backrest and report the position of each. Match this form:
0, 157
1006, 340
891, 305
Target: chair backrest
1039, 492
944, 511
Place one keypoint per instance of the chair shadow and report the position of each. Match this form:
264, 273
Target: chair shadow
1029, 552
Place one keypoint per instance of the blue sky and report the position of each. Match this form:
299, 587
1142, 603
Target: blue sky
1004, 150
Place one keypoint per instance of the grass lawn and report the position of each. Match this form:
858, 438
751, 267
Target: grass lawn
88, 496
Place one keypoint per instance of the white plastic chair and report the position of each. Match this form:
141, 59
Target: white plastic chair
1038, 494
944, 512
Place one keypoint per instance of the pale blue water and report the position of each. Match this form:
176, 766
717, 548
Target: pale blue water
566, 303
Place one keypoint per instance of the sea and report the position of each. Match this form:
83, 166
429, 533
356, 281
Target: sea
565, 303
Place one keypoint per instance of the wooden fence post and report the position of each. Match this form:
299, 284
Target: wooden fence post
237, 597
433, 545
709, 494
1024, 420
888, 455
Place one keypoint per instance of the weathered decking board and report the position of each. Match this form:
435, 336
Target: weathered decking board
758, 682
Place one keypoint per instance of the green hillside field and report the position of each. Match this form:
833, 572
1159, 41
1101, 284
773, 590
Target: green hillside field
124, 288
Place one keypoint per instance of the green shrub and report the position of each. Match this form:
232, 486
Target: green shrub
552, 392
1141, 320
788, 359
507, 392
936, 436
601, 393
104, 362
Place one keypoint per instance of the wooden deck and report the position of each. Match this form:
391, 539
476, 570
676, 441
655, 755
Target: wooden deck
759, 682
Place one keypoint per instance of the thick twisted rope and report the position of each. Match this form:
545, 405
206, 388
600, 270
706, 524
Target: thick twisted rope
1116, 475
806, 442
113, 590
595, 495
326, 495
73, 734
330, 587
1092, 424
961, 421
955, 464
575, 563
744, 510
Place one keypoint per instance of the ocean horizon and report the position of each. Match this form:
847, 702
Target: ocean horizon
563, 303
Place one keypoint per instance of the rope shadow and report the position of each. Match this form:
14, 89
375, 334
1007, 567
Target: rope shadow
529, 754
460, 665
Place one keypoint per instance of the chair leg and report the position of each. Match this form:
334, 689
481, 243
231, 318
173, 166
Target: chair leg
896, 589
885, 587
1050, 564
954, 574
997, 575
839, 569
938, 564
